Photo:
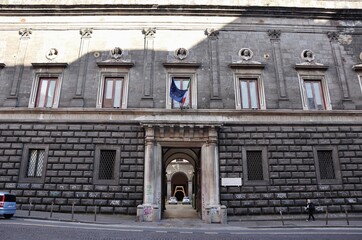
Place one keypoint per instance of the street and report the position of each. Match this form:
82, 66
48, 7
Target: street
32, 229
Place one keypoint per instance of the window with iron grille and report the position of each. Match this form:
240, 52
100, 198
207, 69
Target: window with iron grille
106, 165
325, 162
34, 163
255, 166
327, 165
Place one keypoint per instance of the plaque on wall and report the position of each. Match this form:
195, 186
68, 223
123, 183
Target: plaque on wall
231, 182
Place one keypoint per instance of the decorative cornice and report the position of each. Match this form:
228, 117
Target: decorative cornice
247, 66
49, 65
175, 9
310, 67
115, 64
357, 68
182, 65
197, 117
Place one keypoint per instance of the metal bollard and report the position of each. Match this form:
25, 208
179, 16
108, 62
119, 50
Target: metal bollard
326, 216
51, 210
29, 208
72, 211
347, 216
95, 213
281, 215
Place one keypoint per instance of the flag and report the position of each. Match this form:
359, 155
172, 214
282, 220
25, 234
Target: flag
184, 97
177, 94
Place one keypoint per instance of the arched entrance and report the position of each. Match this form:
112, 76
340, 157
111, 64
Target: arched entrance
180, 180
194, 143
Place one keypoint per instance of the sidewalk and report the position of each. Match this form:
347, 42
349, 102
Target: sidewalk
234, 222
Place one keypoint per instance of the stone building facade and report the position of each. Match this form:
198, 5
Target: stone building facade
272, 114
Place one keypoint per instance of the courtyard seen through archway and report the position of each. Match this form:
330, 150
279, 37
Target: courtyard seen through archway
180, 178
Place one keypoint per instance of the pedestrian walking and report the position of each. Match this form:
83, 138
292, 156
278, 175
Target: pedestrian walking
310, 208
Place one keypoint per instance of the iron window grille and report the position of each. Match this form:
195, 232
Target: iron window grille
327, 165
254, 165
35, 163
107, 164
326, 168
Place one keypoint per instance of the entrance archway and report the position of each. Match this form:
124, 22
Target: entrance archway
192, 142
179, 181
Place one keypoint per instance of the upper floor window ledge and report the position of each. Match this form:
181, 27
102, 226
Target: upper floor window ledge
115, 64
181, 65
310, 67
358, 68
247, 65
49, 65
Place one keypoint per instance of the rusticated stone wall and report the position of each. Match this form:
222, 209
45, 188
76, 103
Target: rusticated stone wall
291, 166
70, 166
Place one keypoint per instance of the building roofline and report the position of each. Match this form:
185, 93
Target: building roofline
177, 10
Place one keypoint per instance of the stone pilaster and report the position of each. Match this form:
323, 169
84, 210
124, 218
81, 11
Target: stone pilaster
278, 66
86, 35
214, 67
12, 99
341, 74
148, 66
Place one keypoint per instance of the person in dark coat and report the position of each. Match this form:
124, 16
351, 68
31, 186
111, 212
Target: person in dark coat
310, 208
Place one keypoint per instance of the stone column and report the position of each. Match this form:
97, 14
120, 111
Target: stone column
86, 35
189, 187
342, 79
148, 195
278, 66
148, 66
214, 67
212, 211
169, 193
150, 210
12, 99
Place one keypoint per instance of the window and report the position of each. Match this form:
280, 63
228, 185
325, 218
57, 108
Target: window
255, 166
113, 91
314, 95
184, 75
249, 94
327, 166
183, 83
106, 165
313, 87
46, 92
35, 163
106, 168
249, 85
33, 166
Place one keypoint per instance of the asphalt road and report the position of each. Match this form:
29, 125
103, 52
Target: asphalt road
30, 229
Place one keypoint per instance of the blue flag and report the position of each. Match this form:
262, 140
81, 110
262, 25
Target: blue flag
175, 93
